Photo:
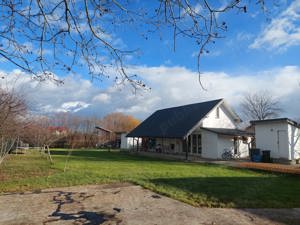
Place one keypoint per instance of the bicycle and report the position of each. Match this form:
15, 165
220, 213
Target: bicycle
228, 154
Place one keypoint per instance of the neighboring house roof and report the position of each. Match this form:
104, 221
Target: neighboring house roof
229, 132
103, 129
287, 120
59, 129
174, 122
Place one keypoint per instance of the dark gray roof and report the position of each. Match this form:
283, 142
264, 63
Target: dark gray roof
292, 122
230, 132
173, 122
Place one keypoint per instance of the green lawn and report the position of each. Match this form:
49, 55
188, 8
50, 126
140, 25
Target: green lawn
197, 184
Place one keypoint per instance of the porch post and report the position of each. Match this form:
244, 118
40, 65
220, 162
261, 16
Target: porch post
191, 145
133, 143
187, 148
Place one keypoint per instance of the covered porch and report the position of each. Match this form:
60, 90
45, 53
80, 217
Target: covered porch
208, 143
220, 142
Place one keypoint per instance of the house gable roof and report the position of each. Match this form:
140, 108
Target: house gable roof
174, 122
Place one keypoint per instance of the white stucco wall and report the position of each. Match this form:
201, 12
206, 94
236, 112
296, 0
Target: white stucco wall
294, 141
243, 148
225, 120
213, 145
209, 145
227, 142
224, 142
266, 135
126, 142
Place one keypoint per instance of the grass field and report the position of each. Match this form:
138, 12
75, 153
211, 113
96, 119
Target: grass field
197, 184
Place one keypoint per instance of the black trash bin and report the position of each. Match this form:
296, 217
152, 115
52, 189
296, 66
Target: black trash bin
266, 156
254, 153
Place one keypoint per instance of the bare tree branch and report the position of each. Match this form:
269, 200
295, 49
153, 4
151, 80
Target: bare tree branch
46, 37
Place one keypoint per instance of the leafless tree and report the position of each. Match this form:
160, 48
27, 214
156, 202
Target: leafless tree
42, 37
260, 105
12, 111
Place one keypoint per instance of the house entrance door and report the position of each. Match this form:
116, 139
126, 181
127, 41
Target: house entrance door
281, 142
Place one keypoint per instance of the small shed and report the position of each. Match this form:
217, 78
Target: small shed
281, 136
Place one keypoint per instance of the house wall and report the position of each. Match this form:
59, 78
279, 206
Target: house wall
225, 120
126, 142
224, 142
244, 148
294, 141
209, 145
267, 135
214, 145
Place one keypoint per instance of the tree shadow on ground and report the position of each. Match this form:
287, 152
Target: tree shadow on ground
100, 155
249, 194
239, 192
70, 208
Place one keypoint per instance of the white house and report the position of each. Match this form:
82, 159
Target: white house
206, 129
126, 142
281, 136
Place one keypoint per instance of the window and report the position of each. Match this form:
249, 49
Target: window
218, 112
194, 146
172, 146
199, 144
189, 143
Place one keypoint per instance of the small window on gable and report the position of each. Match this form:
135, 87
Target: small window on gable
218, 112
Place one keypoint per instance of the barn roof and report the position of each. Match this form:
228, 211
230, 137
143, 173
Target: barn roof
174, 122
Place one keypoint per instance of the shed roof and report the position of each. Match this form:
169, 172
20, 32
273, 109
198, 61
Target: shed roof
287, 120
174, 122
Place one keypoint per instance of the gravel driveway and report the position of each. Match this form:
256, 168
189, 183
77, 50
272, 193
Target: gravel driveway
124, 204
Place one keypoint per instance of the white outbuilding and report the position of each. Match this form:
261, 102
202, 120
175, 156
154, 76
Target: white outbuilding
281, 136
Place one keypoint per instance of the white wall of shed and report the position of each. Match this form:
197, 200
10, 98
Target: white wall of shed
294, 141
266, 135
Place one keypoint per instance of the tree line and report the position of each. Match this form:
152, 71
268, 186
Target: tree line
19, 127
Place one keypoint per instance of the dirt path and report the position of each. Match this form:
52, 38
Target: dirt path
124, 204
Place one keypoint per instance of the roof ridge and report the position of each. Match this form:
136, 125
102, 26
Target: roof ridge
215, 100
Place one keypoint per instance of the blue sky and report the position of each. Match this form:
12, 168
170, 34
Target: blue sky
232, 53
259, 52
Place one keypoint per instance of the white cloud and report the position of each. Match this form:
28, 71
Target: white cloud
103, 97
170, 86
283, 31
73, 106
243, 36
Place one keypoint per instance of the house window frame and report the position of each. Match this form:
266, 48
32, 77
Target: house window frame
199, 144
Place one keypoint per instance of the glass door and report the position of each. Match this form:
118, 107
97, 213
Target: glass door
199, 144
